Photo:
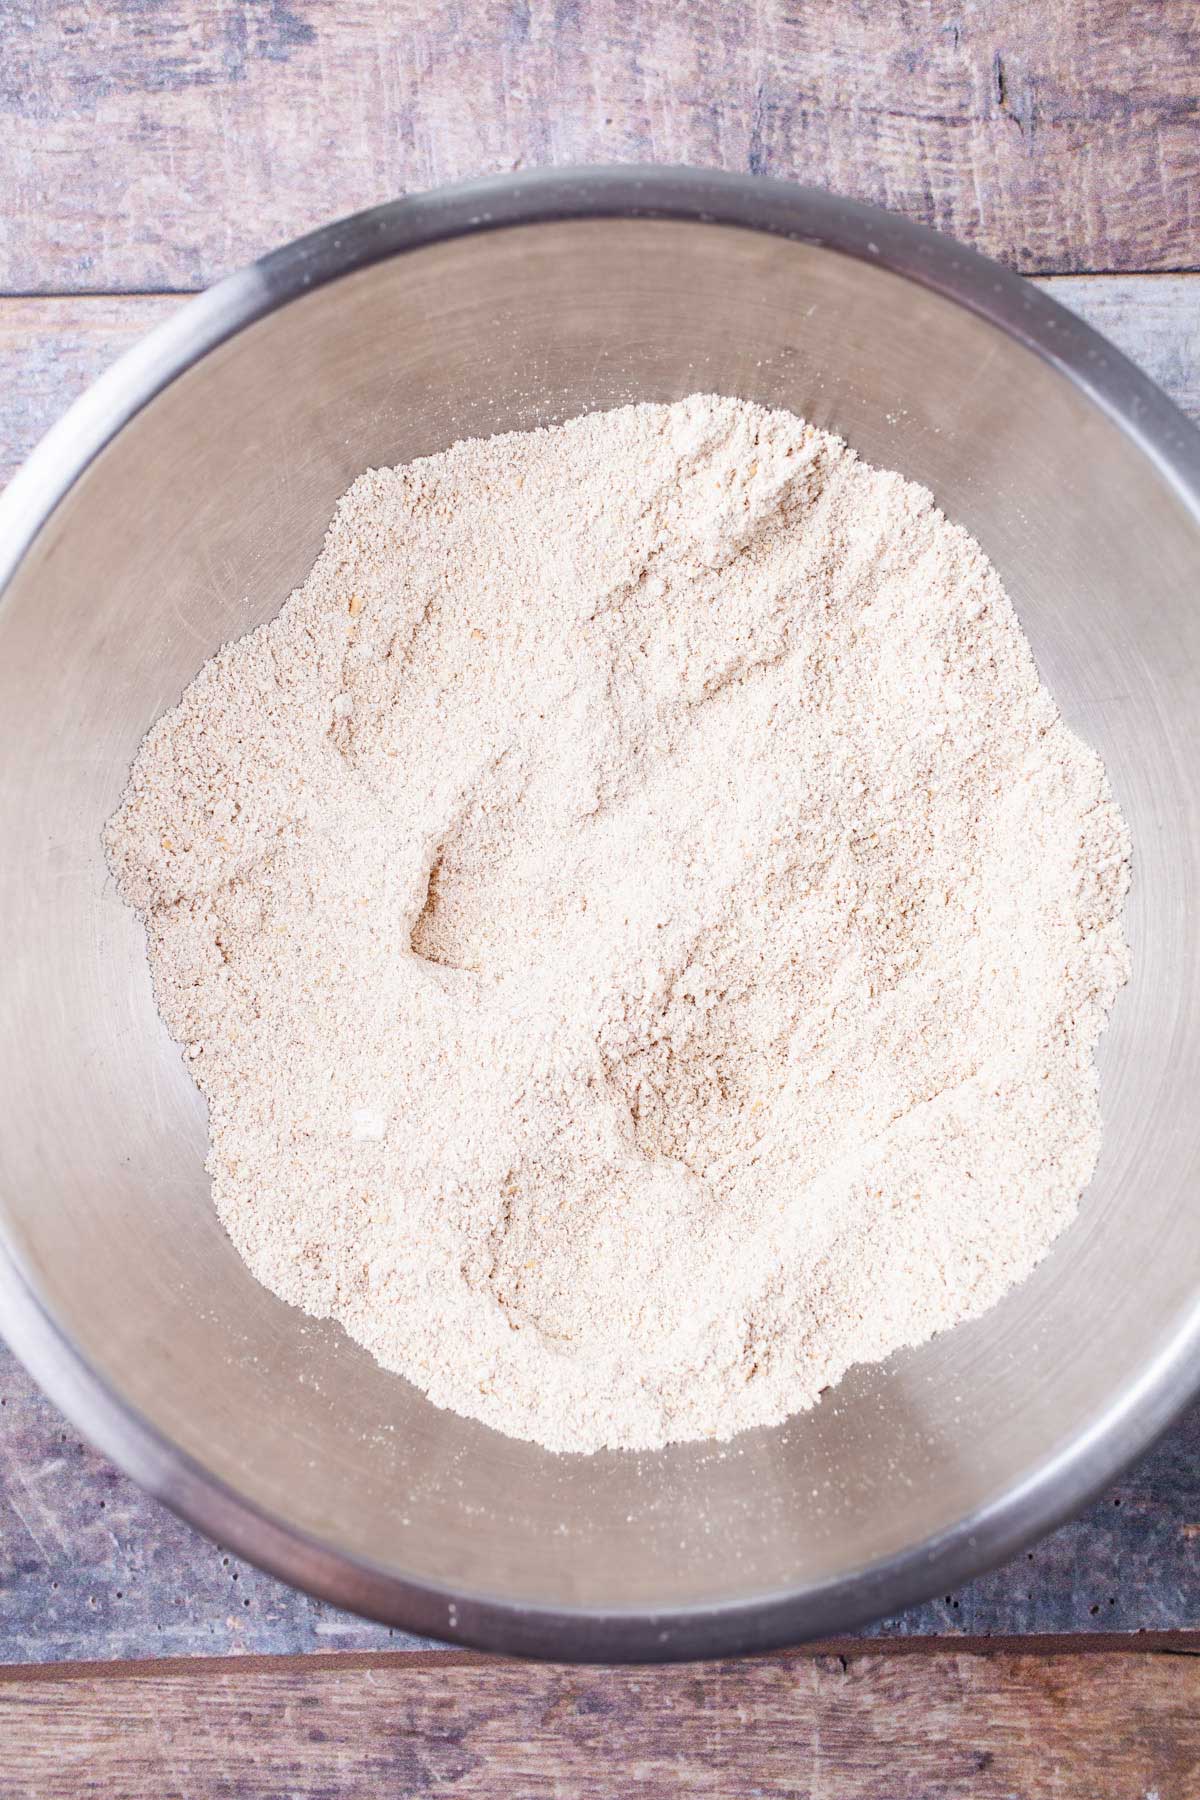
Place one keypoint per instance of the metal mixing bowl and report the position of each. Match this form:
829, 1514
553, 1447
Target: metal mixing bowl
175, 507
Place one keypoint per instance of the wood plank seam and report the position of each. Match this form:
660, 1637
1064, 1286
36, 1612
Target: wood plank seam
842, 1649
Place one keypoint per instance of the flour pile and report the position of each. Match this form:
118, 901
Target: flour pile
640, 925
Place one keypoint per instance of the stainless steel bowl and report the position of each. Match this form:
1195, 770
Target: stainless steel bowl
175, 507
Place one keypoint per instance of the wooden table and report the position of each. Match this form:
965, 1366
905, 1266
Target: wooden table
148, 147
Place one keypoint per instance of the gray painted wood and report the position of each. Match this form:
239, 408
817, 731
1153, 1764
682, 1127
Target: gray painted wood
1154, 319
49, 352
91, 1568
159, 143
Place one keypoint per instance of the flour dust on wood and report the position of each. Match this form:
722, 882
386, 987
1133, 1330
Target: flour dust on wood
640, 925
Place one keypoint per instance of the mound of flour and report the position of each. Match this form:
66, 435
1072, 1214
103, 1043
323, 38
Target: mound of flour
639, 923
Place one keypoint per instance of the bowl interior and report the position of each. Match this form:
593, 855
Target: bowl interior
192, 527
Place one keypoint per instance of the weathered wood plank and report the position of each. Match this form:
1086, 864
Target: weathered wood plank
157, 144
49, 352
1155, 319
858, 1727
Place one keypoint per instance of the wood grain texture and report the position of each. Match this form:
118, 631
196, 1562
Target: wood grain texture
1154, 319
858, 1727
159, 143
89, 1567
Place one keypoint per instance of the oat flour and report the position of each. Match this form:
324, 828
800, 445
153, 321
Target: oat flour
639, 923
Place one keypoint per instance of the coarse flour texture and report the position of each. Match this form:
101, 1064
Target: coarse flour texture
640, 925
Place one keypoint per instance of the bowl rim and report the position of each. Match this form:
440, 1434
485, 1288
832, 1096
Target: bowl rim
1037, 1500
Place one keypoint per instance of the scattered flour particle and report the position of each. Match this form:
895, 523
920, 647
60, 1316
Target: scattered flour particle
367, 1127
